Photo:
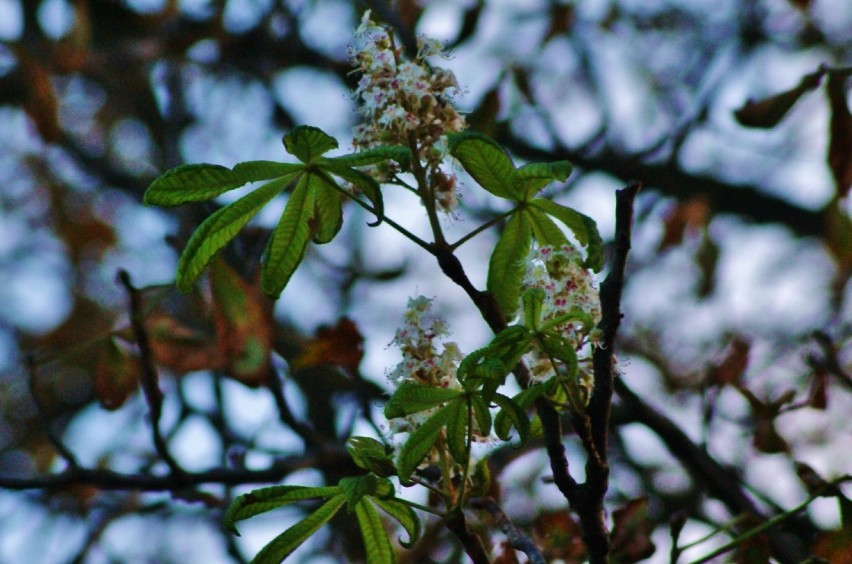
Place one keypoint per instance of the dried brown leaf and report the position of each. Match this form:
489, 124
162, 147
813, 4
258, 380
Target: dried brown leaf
341, 345
840, 134
768, 112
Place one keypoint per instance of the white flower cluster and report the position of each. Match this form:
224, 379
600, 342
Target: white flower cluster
566, 284
416, 339
401, 100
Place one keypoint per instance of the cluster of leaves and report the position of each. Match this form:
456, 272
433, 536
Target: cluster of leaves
493, 170
313, 209
361, 495
454, 416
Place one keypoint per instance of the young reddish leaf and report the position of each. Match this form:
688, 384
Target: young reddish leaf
116, 376
508, 262
243, 319
631, 532
341, 345
840, 127
767, 113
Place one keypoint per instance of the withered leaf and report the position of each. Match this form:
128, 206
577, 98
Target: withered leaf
341, 345
840, 131
243, 318
631, 532
117, 374
768, 112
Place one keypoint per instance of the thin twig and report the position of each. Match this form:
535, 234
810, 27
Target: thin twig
518, 540
106, 479
54, 439
150, 378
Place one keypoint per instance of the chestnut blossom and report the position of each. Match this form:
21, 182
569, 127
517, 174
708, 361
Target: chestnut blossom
566, 284
418, 340
429, 360
402, 100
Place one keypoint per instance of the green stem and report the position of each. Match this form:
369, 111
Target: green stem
481, 228
425, 191
466, 465
751, 533
723, 529
402, 230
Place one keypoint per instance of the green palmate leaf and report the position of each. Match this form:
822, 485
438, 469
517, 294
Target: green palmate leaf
573, 314
370, 484
512, 414
376, 541
545, 231
200, 182
486, 161
284, 544
286, 247
421, 441
532, 177
510, 344
560, 349
370, 455
366, 183
266, 499
508, 263
215, 232
328, 213
583, 227
457, 429
533, 300
486, 371
308, 143
398, 153
404, 515
481, 413
411, 397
